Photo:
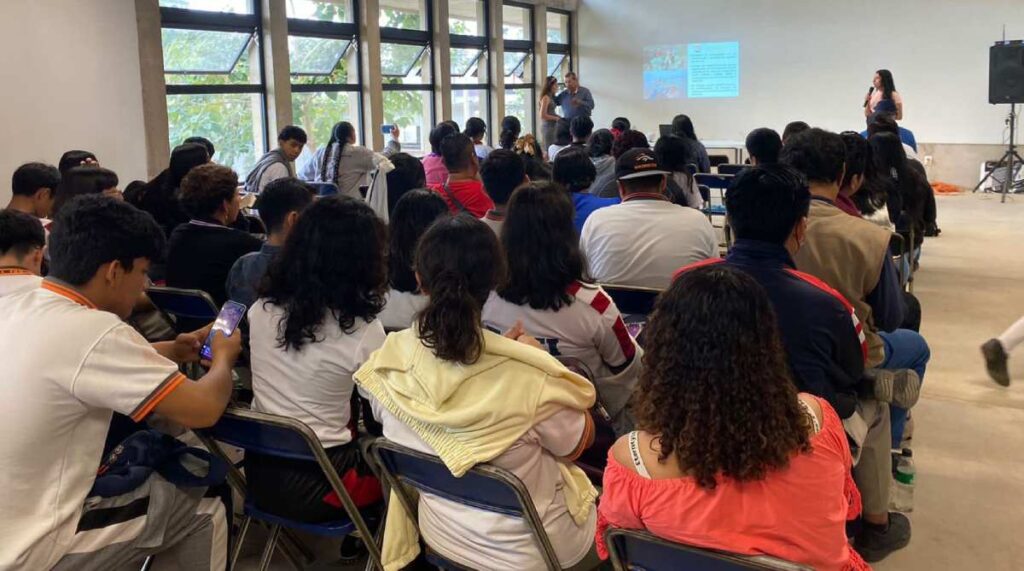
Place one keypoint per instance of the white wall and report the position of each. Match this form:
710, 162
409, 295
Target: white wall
69, 71
811, 60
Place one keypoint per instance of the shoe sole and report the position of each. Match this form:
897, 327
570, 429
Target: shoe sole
901, 388
995, 363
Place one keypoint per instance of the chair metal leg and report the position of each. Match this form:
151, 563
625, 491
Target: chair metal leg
242, 530
147, 563
268, 550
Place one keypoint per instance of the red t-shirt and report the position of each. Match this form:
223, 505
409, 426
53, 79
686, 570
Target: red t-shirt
470, 193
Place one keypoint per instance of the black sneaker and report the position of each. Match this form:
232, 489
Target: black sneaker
995, 361
875, 544
352, 549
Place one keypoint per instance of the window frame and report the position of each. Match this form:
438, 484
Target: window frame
185, 19
483, 43
527, 46
423, 38
559, 48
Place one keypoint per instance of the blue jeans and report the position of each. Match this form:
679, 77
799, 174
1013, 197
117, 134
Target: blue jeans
904, 349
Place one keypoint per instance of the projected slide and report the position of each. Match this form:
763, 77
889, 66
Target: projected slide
692, 70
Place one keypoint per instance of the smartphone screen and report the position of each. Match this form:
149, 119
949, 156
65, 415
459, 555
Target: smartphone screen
386, 129
635, 329
230, 316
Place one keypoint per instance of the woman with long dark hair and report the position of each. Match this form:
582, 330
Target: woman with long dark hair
160, 195
675, 155
313, 325
86, 179
433, 162
451, 388
546, 110
413, 214
682, 126
510, 130
726, 447
476, 129
548, 291
344, 163
599, 147
883, 97
907, 190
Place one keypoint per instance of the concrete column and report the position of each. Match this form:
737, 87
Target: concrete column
369, 52
442, 62
497, 68
540, 47
278, 67
154, 89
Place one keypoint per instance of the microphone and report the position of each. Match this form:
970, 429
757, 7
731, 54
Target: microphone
871, 90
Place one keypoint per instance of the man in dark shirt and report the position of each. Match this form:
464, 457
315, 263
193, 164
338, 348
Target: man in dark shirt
279, 205
200, 253
824, 341
574, 99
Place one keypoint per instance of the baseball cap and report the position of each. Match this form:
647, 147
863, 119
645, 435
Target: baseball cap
637, 163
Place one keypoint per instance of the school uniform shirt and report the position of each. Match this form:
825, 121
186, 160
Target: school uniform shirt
17, 280
469, 194
200, 256
313, 384
56, 400
642, 242
433, 167
494, 221
586, 204
590, 329
400, 309
482, 150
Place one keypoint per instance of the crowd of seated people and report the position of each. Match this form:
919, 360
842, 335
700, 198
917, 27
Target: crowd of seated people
446, 321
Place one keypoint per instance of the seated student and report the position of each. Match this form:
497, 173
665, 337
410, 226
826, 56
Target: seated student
529, 149
852, 256
763, 145
312, 327
72, 159
414, 214
88, 179
345, 163
277, 163
629, 140
502, 172
58, 398
675, 155
563, 138
511, 128
792, 129
619, 126
462, 190
454, 389
547, 290
885, 122
407, 175
162, 196
574, 170
279, 205
433, 163
33, 187
200, 254
768, 208
581, 128
206, 143
682, 126
476, 129
599, 147
858, 161
642, 241
22, 240
728, 455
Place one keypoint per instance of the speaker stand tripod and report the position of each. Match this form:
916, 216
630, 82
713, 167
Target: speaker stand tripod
1011, 159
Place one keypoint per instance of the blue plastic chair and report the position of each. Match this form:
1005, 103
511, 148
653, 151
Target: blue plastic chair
186, 309
640, 551
285, 438
632, 301
484, 487
325, 188
714, 200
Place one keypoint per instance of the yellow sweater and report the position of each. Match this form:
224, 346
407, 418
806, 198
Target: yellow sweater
470, 414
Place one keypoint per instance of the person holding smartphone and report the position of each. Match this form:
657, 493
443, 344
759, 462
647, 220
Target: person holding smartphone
59, 391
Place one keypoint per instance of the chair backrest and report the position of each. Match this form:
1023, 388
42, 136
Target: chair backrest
716, 160
714, 181
484, 487
632, 300
731, 169
191, 304
325, 188
641, 551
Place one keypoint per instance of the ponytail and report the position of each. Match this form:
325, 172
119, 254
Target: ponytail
340, 135
459, 263
510, 130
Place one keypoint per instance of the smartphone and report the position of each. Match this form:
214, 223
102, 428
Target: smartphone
386, 129
635, 328
230, 316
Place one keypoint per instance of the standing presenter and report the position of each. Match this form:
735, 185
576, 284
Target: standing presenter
882, 97
574, 100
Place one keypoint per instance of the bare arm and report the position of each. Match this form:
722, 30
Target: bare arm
543, 110
898, 99
198, 404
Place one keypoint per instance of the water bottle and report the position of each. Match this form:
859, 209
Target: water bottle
903, 484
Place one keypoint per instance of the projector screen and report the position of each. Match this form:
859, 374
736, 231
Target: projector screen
693, 71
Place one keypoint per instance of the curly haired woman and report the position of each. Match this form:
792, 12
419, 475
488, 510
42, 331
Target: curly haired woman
728, 455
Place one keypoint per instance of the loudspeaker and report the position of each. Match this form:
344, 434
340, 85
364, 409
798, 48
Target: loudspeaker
1006, 72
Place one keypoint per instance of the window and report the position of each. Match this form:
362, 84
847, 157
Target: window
471, 88
558, 27
323, 56
518, 65
213, 68
406, 64
559, 34
558, 65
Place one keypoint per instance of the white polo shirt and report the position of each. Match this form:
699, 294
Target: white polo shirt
17, 280
67, 365
642, 242
314, 384
400, 309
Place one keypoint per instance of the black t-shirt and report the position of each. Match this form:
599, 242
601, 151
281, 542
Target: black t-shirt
200, 256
